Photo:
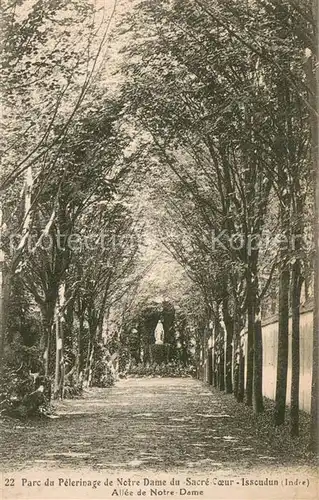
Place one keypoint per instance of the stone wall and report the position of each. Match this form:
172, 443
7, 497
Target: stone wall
270, 345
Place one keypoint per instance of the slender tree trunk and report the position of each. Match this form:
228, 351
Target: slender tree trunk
93, 320
68, 337
209, 366
250, 354
236, 359
2, 310
229, 325
314, 438
4, 302
217, 370
222, 359
62, 337
296, 284
241, 376
90, 367
214, 353
295, 347
215, 373
236, 378
87, 363
285, 162
47, 351
254, 396
282, 358
5, 274
80, 346
312, 71
212, 349
59, 343
239, 370
258, 403
3, 297
229, 364
58, 349
47, 326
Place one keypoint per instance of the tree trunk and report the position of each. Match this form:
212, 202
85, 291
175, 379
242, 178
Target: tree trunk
241, 376
59, 354
221, 374
93, 321
87, 363
250, 354
295, 347
80, 346
258, 403
2, 310
236, 360
90, 367
215, 372
229, 364
214, 354
58, 349
68, 337
229, 325
47, 326
239, 369
3, 296
254, 396
282, 357
210, 366
314, 438
312, 71
5, 273
236, 378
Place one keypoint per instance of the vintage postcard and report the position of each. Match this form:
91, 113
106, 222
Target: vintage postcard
159, 249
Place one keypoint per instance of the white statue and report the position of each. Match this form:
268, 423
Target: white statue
159, 333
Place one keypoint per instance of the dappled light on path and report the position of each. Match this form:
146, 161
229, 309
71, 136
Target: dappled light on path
152, 423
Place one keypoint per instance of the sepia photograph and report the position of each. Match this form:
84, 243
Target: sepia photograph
159, 253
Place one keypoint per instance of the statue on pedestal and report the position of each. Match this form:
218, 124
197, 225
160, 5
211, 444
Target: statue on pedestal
159, 333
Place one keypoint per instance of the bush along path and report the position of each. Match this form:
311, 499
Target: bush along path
155, 424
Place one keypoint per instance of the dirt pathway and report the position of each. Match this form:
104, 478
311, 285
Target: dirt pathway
154, 424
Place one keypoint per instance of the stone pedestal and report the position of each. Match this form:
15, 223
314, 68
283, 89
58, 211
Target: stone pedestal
159, 353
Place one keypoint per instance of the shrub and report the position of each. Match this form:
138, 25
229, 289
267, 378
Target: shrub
22, 395
72, 391
172, 369
103, 374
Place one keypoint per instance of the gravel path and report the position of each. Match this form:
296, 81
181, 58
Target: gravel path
154, 424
